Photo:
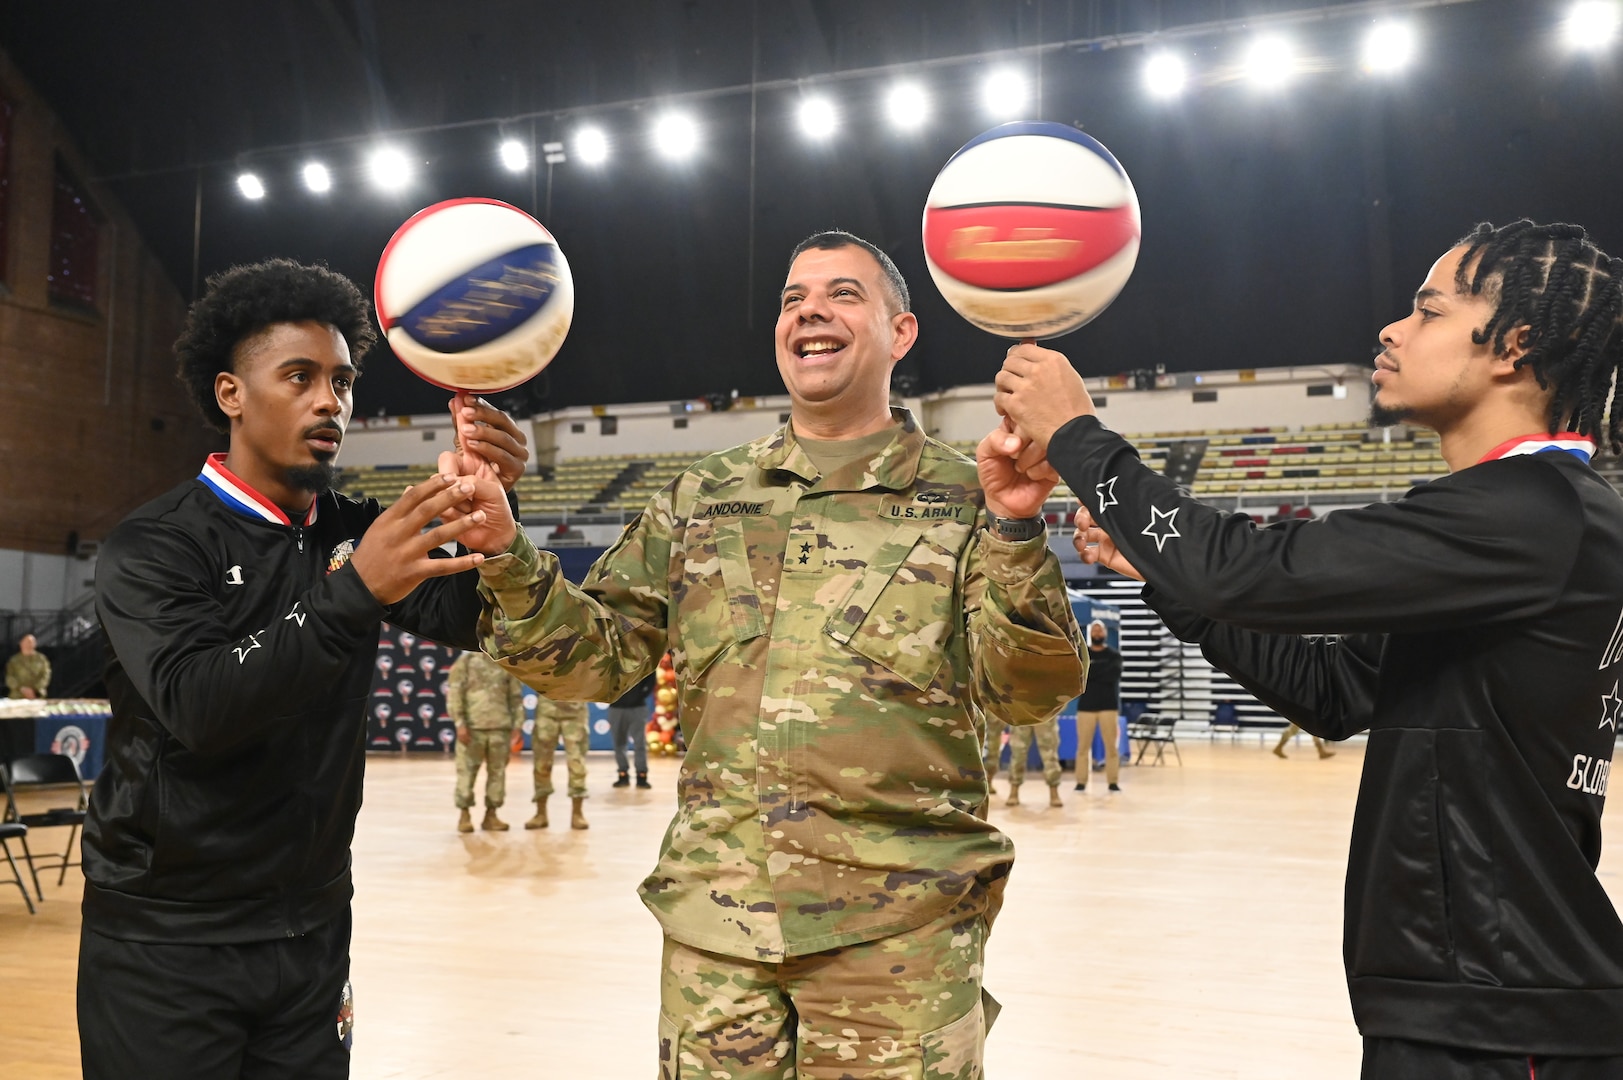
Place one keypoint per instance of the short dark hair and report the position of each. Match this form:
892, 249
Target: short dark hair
244, 300
1554, 280
834, 239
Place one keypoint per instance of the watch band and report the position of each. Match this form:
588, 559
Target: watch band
1013, 529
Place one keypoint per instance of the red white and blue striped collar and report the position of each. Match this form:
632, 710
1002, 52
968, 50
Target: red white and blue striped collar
1540, 443
235, 493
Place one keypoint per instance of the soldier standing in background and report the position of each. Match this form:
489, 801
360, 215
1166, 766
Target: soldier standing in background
840, 619
1047, 735
488, 706
555, 719
28, 672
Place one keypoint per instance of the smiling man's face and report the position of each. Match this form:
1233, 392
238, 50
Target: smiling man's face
838, 336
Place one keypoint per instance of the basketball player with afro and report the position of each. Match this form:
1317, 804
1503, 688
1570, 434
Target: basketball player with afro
1474, 627
241, 611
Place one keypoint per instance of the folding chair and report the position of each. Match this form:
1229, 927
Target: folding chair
46, 770
1153, 729
16, 830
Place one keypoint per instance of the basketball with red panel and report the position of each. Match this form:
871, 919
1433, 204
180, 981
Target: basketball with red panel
1031, 229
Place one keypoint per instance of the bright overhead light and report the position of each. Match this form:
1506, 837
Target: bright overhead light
1004, 94
1389, 47
1591, 24
515, 155
316, 177
818, 117
907, 106
250, 186
591, 145
389, 169
676, 136
1270, 62
1165, 75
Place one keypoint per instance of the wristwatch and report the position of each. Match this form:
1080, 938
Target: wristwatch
1013, 529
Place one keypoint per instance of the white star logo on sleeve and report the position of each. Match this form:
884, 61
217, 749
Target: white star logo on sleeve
1610, 705
242, 651
1162, 526
1107, 494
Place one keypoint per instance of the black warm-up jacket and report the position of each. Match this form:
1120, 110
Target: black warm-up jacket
1478, 636
239, 661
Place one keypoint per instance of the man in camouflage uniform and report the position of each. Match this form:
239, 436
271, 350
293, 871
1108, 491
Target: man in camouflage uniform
555, 719
488, 706
28, 672
838, 618
1047, 735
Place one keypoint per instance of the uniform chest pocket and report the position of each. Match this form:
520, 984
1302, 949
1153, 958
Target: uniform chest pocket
717, 601
903, 610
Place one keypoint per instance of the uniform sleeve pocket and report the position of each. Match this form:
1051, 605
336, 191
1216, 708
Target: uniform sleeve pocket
954, 1052
716, 595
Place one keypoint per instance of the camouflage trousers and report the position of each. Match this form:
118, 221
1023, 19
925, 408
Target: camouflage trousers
904, 1007
545, 741
490, 749
992, 749
1047, 735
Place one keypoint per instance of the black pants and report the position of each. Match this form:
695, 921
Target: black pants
1398, 1059
267, 1009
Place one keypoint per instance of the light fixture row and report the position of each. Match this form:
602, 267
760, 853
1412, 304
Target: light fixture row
1270, 62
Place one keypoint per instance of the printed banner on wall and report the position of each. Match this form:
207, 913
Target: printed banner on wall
406, 710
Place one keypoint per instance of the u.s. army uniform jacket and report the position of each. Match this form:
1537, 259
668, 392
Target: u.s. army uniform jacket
481, 696
835, 640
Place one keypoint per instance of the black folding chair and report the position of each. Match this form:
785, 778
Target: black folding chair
46, 771
10, 830
1153, 729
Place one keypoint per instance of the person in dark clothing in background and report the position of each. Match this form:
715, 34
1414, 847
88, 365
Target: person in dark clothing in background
241, 614
1475, 627
1099, 708
627, 717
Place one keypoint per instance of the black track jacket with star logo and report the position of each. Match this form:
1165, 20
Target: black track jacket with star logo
238, 668
1478, 627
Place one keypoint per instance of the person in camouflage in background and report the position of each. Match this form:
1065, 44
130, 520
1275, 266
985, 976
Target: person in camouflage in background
28, 672
488, 706
1047, 735
555, 719
838, 618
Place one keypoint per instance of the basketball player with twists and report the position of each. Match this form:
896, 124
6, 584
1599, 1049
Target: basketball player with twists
241, 611
1474, 627
840, 619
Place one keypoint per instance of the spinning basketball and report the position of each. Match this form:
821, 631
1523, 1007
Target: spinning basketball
474, 294
1031, 229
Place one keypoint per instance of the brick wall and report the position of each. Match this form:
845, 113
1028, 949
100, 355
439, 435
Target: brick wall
92, 420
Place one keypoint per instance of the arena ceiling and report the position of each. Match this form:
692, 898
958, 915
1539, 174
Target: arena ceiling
1279, 228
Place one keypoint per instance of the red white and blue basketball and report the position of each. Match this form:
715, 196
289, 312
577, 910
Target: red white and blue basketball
1031, 229
474, 294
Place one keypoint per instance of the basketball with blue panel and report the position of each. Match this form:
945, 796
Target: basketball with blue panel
1031, 229
474, 294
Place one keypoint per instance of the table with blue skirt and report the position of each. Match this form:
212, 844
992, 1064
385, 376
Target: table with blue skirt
76, 727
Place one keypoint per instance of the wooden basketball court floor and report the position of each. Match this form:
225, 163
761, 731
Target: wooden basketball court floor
1189, 927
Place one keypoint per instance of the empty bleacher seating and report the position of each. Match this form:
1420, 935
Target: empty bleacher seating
1335, 460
